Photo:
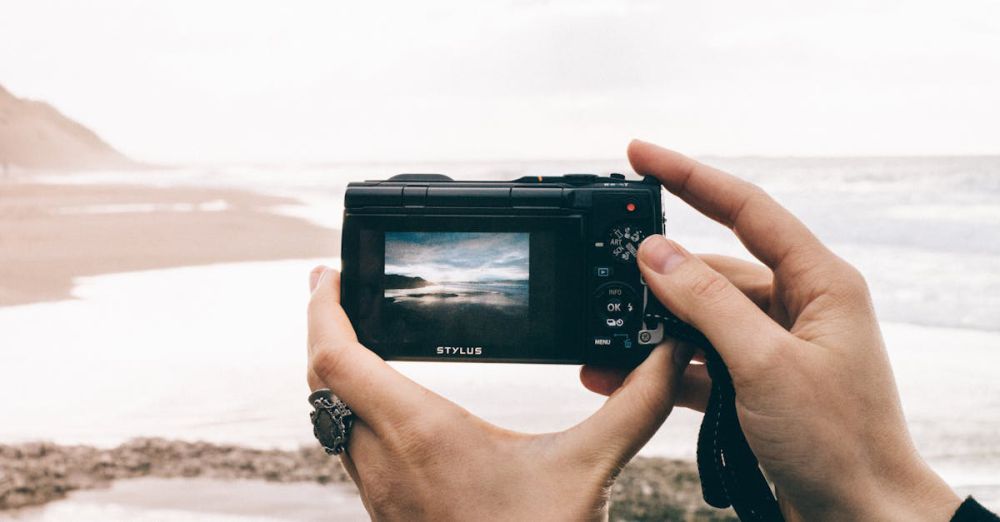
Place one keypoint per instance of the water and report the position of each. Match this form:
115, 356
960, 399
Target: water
925, 231
498, 294
202, 500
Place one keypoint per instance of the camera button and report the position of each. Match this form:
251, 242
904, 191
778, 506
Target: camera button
616, 306
603, 271
614, 322
602, 342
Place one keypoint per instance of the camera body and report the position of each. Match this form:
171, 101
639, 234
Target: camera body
535, 270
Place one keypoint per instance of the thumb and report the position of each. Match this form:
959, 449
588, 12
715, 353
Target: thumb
744, 336
633, 413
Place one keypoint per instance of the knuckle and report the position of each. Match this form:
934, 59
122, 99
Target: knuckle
854, 278
850, 285
753, 195
766, 359
327, 361
709, 286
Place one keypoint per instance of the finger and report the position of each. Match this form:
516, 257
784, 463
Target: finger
363, 442
770, 232
374, 390
744, 335
352, 470
632, 413
695, 388
752, 279
693, 391
603, 380
324, 306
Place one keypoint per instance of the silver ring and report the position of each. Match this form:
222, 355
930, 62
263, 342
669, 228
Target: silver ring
331, 420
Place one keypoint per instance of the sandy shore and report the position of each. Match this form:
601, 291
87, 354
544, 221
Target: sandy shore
38, 473
50, 234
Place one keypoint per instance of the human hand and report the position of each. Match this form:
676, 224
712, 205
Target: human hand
815, 394
417, 456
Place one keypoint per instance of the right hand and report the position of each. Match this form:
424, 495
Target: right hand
815, 393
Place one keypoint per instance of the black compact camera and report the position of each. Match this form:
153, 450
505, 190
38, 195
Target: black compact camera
539, 269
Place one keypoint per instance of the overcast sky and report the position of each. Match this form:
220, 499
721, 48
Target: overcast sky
442, 257
213, 81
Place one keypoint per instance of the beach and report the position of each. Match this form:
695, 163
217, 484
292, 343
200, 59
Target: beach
52, 234
170, 304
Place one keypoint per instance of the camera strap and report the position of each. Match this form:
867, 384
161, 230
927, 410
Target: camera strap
729, 471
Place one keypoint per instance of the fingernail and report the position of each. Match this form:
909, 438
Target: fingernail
314, 277
660, 253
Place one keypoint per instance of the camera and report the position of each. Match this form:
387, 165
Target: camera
536, 270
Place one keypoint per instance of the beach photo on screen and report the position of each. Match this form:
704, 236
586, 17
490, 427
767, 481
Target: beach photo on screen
459, 285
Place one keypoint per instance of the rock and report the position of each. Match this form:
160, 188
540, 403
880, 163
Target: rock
35, 473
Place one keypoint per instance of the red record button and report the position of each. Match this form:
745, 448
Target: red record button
630, 207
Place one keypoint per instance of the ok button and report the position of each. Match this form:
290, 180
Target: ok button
615, 306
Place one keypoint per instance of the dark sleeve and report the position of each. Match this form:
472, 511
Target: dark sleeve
972, 511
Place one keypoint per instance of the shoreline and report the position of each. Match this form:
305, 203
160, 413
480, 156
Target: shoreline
54, 233
35, 474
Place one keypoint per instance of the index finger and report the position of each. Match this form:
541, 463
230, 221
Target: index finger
768, 230
375, 391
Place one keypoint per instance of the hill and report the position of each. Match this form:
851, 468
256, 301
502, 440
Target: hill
402, 281
34, 135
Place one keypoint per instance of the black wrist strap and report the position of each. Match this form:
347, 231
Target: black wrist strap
972, 511
730, 474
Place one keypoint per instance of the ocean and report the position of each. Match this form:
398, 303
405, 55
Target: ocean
131, 356
501, 294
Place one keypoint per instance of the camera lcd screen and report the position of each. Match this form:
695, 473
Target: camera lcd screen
497, 288
473, 285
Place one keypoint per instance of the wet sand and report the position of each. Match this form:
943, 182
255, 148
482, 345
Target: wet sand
201, 499
50, 234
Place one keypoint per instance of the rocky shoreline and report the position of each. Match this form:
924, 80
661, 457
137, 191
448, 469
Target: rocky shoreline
35, 473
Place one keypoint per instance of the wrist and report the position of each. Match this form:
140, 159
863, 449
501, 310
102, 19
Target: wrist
912, 491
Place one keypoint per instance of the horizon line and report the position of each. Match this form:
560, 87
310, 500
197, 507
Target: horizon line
350, 162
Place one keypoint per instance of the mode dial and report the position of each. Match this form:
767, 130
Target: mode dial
624, 240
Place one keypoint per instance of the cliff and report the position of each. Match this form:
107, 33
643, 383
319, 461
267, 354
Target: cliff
34, 135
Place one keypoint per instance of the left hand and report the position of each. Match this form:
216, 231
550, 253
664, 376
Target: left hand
417, 456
